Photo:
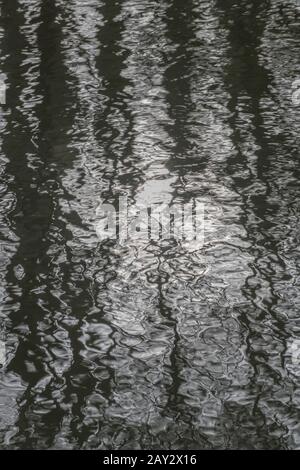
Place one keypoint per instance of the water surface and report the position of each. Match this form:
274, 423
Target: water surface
150, 345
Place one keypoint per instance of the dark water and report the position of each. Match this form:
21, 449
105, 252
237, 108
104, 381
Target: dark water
150, 345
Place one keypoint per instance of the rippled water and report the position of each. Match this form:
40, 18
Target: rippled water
150, 345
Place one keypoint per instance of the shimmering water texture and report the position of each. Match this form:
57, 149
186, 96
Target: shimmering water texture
152, 344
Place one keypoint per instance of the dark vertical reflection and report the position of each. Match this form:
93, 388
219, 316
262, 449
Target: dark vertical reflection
257, 172
180, 21
37, 158
114, 126
179, 73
